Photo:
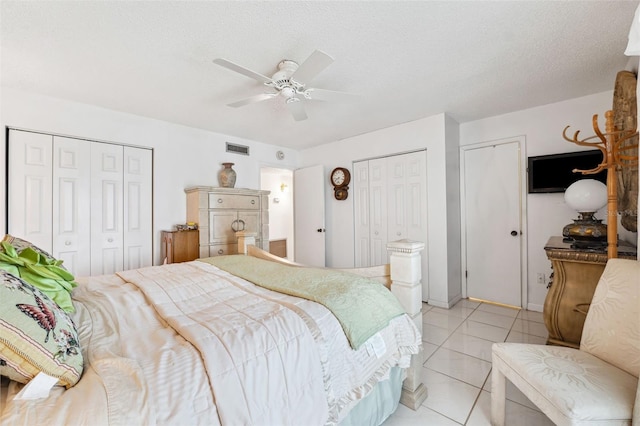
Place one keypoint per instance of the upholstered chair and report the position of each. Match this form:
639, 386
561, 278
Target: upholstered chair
595, 385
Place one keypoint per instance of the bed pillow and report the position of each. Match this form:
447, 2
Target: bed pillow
36, 335
36, 267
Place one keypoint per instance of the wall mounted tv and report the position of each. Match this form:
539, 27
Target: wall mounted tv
553, 173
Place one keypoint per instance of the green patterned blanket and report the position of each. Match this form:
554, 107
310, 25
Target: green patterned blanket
362, 306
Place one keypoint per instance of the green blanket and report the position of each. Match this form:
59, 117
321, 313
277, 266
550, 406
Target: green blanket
40, 271
362, 306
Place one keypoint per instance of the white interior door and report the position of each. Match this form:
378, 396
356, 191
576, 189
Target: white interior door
492, 223
361, 215
30, 189
72, 204
378, 215
137, 200
308, 207
106, 210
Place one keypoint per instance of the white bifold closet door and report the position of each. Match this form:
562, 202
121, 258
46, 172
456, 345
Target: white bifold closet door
87, 203
390, 204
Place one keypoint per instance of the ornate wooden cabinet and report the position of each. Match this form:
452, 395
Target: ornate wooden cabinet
220, 212
575, 275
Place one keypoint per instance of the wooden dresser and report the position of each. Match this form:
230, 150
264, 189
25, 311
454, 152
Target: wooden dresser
180, 246
575, 275
220, 212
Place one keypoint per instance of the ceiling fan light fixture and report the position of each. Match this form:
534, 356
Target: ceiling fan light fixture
288, 92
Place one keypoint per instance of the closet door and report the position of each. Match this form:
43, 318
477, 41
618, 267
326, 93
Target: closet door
361, 213
378, 211
397, 197
106, 208
30, 187
72, 204
138, 201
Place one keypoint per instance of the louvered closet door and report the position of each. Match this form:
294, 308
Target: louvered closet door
106, 208
378, 210
30, 187
72, 204
137, 207
361, 213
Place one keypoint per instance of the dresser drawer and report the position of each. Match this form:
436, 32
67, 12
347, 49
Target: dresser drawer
224, 201
222, 249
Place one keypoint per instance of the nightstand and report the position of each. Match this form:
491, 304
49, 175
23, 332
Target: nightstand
180, 246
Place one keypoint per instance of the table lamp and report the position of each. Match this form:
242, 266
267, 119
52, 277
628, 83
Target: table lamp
586, 196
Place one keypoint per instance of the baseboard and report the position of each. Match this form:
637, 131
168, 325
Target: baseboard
534, 307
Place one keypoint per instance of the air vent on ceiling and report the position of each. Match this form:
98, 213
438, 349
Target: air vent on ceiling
238, 149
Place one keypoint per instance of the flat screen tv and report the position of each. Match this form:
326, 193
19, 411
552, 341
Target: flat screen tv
554, 173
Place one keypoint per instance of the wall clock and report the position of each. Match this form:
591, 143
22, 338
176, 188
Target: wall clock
340, 178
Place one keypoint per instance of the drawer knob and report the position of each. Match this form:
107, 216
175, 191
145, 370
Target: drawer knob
220, 251
110, 240
253, 201
219, 200
67, 243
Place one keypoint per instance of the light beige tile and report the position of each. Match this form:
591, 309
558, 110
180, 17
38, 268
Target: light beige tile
484, 331
469, 345
517, 337
427, 350
468, 303
492, 318
458, 310
500, 310
513, 393
405, 416
450, 397
531, 316
516, 414
463, 367
434, 335
530, 327
439, 319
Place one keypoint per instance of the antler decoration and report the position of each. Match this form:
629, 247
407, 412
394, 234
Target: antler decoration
614, 156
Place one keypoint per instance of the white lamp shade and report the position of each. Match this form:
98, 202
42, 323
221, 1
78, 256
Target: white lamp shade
586, 195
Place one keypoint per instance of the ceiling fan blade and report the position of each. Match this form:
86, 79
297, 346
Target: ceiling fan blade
297, 109
311, 67
253, 99
326, 95
242, 70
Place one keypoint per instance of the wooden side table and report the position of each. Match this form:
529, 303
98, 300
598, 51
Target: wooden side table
576, 273
180, 246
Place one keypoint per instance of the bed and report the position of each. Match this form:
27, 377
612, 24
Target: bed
200, 343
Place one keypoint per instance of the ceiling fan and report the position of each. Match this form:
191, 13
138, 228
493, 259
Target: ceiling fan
290, 82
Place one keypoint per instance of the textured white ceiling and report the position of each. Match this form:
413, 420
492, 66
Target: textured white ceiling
405, 60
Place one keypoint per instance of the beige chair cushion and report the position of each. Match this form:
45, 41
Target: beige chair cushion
612, 327
567, 383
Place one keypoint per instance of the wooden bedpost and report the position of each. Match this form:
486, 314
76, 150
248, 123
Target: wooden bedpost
406, 272
245, 239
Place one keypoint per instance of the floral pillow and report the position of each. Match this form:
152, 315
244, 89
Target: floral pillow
36, 335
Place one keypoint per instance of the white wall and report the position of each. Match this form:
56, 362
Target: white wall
438, 134
542, 127
183, 156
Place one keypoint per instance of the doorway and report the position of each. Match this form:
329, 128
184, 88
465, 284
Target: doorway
493, 198
281, 233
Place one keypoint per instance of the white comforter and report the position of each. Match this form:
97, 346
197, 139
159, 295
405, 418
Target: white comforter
191, 344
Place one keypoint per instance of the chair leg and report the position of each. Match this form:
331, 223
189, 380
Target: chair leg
498, 397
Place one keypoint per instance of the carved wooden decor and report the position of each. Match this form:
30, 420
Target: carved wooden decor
625, 113
617, 152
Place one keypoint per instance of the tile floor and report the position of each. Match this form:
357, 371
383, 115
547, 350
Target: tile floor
457, 365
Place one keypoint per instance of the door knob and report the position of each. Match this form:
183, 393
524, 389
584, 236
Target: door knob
514, 233
320, 230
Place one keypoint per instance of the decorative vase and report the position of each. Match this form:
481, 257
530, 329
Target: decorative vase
227, 176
